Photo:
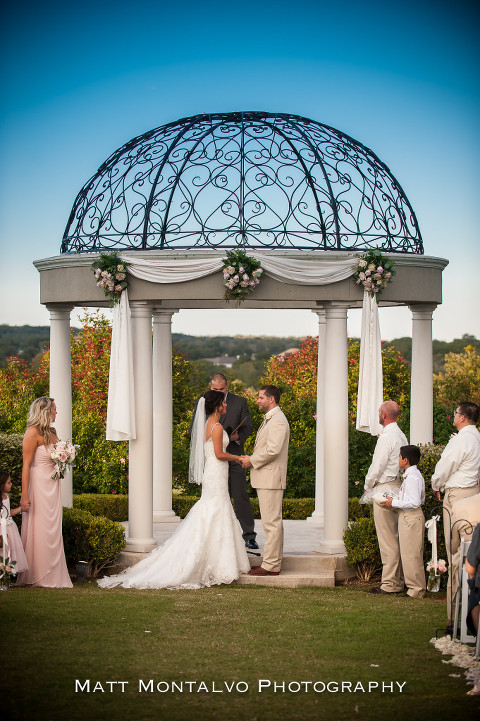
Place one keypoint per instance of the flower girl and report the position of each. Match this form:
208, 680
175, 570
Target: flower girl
12, 547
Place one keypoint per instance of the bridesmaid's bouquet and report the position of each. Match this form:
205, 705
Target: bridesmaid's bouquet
63, 455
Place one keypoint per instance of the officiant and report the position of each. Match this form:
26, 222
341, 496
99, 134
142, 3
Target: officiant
238, 424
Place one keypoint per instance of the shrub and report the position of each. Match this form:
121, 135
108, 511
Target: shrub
358, 510
300, 472
94, 539
361, 544
460, 380
113, 507
293, 508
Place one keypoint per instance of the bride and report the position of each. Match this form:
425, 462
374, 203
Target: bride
207, 548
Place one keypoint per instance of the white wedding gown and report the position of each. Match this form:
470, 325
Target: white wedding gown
206, 549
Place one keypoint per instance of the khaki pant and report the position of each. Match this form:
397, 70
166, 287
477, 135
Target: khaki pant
386, 526
270, 502
411, 537
452, 495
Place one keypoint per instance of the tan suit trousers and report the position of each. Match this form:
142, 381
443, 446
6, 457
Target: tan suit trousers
452, 495
411, 538
386, 525
270, 502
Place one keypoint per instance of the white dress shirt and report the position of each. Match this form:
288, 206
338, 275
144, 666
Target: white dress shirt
459, 464
412, 491
384, 466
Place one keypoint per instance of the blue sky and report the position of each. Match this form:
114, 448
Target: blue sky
79, 80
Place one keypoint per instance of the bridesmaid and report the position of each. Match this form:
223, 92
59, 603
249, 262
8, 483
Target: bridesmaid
41, 502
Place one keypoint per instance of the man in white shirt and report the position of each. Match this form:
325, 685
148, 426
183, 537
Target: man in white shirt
384, 474
457, 473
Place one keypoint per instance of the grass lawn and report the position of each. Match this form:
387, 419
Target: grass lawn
225, 635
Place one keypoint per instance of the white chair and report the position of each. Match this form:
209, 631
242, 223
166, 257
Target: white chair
461, 600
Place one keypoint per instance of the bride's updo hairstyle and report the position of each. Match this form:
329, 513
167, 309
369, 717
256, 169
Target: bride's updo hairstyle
40, 415
213, 400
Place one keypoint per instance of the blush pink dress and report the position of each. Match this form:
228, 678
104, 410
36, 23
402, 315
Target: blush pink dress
42, 528
15, 548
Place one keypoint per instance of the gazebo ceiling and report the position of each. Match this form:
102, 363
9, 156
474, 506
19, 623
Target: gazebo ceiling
244, 179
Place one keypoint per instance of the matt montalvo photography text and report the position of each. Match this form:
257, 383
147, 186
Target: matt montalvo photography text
262, 686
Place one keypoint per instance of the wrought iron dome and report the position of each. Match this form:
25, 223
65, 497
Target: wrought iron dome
243, 179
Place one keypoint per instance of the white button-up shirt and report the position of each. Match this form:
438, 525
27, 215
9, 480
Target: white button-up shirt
459, 464
384, 467
412, 491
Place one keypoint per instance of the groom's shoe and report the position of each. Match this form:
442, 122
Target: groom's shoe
260, 571
251, 543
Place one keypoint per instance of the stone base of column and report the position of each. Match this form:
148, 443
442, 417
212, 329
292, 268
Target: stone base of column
140, 545
317, 519
334, 548
165, 517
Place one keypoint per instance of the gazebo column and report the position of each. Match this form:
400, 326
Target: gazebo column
61, 382
421, 400
140, 508
336, 429
162, 416
317, 516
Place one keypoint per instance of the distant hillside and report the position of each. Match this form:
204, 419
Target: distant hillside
440, 348
24, 341
249, 352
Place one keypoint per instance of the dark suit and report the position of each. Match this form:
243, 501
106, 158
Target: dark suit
237, 411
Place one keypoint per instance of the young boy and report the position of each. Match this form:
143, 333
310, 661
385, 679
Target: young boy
411, 521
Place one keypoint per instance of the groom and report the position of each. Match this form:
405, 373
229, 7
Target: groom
237, 415
269, 475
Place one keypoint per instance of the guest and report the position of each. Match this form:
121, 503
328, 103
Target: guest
456, 474
41, 502
465, 516
411, 521
383, 473
11, 545
472, 567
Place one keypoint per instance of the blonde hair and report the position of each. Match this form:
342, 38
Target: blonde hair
40, 416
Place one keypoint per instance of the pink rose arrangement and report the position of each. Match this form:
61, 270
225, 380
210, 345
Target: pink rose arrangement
241, 275
111, 274
374, 271
63, 454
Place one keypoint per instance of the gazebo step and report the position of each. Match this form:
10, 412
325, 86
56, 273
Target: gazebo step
290, 579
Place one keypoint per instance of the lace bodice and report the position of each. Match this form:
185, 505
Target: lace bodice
215, 473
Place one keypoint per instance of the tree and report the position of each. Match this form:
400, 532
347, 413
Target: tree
296, 376
460, 380
101, 465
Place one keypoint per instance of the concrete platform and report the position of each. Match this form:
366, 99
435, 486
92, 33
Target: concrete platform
302, 565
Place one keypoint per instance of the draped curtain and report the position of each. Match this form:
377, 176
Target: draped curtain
121, 406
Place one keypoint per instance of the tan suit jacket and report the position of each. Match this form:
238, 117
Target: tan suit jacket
270, 454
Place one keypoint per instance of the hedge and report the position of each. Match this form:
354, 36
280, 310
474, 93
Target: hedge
94, 539
114, 507
11, 461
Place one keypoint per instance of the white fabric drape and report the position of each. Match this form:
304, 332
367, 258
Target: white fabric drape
306, 272
370, 375
121, 407
171, 271
121, 389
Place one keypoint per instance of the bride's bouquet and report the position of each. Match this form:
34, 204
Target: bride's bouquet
63, 454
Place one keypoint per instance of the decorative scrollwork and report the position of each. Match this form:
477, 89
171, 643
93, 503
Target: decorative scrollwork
252, 179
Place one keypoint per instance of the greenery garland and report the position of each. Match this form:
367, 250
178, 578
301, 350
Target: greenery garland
111, 275
374, 271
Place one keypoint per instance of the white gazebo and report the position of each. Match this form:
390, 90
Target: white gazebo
301, 197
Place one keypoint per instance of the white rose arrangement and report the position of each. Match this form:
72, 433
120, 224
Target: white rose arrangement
241, 275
